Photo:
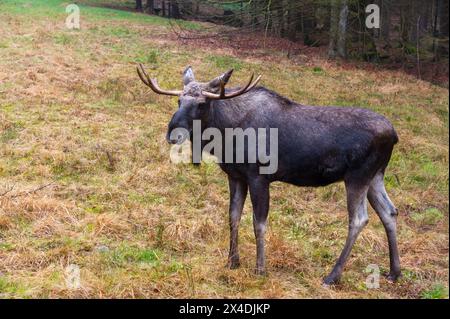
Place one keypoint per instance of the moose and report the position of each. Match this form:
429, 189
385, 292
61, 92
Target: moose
317, 146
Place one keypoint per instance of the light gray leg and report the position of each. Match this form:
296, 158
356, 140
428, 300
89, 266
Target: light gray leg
357, 210
387, 212
238, 194
259, 193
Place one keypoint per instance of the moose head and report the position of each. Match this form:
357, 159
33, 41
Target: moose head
194, 101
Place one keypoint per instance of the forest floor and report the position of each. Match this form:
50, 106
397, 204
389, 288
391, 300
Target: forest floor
86, 182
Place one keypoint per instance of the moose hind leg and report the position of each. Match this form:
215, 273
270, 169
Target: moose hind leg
358, 218
380, 202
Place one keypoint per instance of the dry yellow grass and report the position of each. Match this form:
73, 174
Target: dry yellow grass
75, 119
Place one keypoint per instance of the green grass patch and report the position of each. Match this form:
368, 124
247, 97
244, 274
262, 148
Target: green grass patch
438, 291
147, 198
64, 39
91, 9
151, 56
10, 132
225, 62
118, 31
125, 254
430, 216
11, 289
318, 70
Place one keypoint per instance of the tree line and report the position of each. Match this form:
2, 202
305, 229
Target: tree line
408, 29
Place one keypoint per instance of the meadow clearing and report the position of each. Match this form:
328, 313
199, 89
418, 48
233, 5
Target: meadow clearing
86, 180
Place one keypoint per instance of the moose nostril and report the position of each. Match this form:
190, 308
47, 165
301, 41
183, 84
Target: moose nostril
177, 136
174, 139
171, 140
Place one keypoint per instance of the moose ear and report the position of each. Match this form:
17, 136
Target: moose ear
188, 75
214, 85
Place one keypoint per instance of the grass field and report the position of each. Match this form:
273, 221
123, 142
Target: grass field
85, 176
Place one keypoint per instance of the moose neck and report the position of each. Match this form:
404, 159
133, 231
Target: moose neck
226, 113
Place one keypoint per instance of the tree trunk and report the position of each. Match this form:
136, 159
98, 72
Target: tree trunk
281, 12
254, 16
443, 18
342, 31
404, 25
151, 6
308, 23
442, 48
385, 23
424, 16
197, 7
435, 29
334, 20
139, 5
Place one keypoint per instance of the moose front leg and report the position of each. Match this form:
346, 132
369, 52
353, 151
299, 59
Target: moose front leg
259, 193
238, 194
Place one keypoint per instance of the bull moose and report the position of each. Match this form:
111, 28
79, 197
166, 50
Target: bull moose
317, 146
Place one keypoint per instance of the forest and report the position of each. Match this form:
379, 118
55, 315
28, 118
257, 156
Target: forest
406, 34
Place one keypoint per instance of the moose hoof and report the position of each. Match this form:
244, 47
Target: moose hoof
233, 264
260, 272
330, 280
393, 276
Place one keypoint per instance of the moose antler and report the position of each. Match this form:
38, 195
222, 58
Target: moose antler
223, 96
153, 84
